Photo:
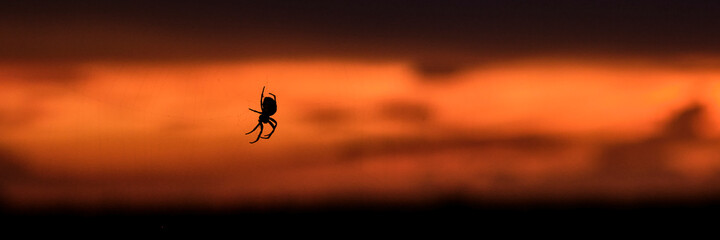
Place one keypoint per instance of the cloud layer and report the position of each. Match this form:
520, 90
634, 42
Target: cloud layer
439, 36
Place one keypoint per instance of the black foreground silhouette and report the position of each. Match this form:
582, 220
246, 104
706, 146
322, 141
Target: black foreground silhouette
268, 107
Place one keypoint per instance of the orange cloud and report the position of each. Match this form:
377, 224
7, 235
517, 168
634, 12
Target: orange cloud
174, 132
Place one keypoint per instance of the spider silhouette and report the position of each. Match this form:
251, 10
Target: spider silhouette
269, 107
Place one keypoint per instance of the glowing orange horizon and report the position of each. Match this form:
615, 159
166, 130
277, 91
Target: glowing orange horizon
123, 119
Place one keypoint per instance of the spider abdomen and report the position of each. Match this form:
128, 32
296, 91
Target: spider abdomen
269, 106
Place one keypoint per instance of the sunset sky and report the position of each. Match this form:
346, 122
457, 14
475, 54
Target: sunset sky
144, 104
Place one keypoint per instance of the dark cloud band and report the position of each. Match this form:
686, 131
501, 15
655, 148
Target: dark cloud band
439, 31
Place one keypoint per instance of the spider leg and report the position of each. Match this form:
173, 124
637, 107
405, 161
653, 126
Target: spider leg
256, 126
258, 137
254, 110
273, 124
274, 97
261, 96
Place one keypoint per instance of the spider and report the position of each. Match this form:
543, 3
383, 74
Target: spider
269, 107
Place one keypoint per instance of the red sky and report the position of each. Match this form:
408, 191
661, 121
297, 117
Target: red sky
142, 134
147, 104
